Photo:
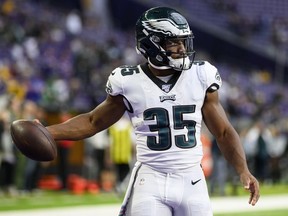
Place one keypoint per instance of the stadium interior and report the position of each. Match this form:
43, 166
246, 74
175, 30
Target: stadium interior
58, 54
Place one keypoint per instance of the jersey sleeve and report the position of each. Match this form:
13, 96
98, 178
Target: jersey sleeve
113, 85
210, 76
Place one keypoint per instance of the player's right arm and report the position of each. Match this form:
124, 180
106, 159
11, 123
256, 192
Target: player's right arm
87, 124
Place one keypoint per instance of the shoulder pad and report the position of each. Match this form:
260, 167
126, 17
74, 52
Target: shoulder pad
126, 70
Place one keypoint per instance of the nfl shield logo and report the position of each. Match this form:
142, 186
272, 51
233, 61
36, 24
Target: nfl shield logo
166, 87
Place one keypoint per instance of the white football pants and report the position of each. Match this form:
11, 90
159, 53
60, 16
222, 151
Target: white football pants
183, 193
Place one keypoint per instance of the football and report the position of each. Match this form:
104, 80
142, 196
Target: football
33, 140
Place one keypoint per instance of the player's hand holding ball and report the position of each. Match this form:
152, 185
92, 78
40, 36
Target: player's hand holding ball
33, 140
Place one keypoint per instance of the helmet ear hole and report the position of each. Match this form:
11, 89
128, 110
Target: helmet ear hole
148, 46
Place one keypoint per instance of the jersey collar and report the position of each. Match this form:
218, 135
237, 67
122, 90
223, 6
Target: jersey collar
166, 87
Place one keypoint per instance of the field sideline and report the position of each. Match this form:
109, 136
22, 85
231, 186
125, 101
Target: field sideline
220, 206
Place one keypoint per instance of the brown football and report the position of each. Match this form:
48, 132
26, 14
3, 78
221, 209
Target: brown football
33, 140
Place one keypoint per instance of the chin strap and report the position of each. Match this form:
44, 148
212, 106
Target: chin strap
175, 64
180, 64
163, 67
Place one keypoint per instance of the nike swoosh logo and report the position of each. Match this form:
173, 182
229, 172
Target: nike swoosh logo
195, 182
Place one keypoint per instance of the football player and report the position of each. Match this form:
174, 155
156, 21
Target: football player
167, 98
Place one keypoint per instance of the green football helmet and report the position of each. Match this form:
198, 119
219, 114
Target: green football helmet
157, 25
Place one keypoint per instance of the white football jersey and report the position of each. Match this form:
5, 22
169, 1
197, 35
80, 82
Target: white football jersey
166, 116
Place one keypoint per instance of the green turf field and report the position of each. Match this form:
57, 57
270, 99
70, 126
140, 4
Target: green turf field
51, 199
265, 189
283, 212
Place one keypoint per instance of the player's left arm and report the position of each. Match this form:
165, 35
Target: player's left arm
229, 142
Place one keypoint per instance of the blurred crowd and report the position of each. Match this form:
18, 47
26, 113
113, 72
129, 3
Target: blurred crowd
254, 21
263, 23
59, 63
59, 60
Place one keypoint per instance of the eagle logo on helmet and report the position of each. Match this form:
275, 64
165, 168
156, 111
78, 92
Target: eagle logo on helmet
166, 27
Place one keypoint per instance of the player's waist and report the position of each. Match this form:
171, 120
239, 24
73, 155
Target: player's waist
171, 161
189, 168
